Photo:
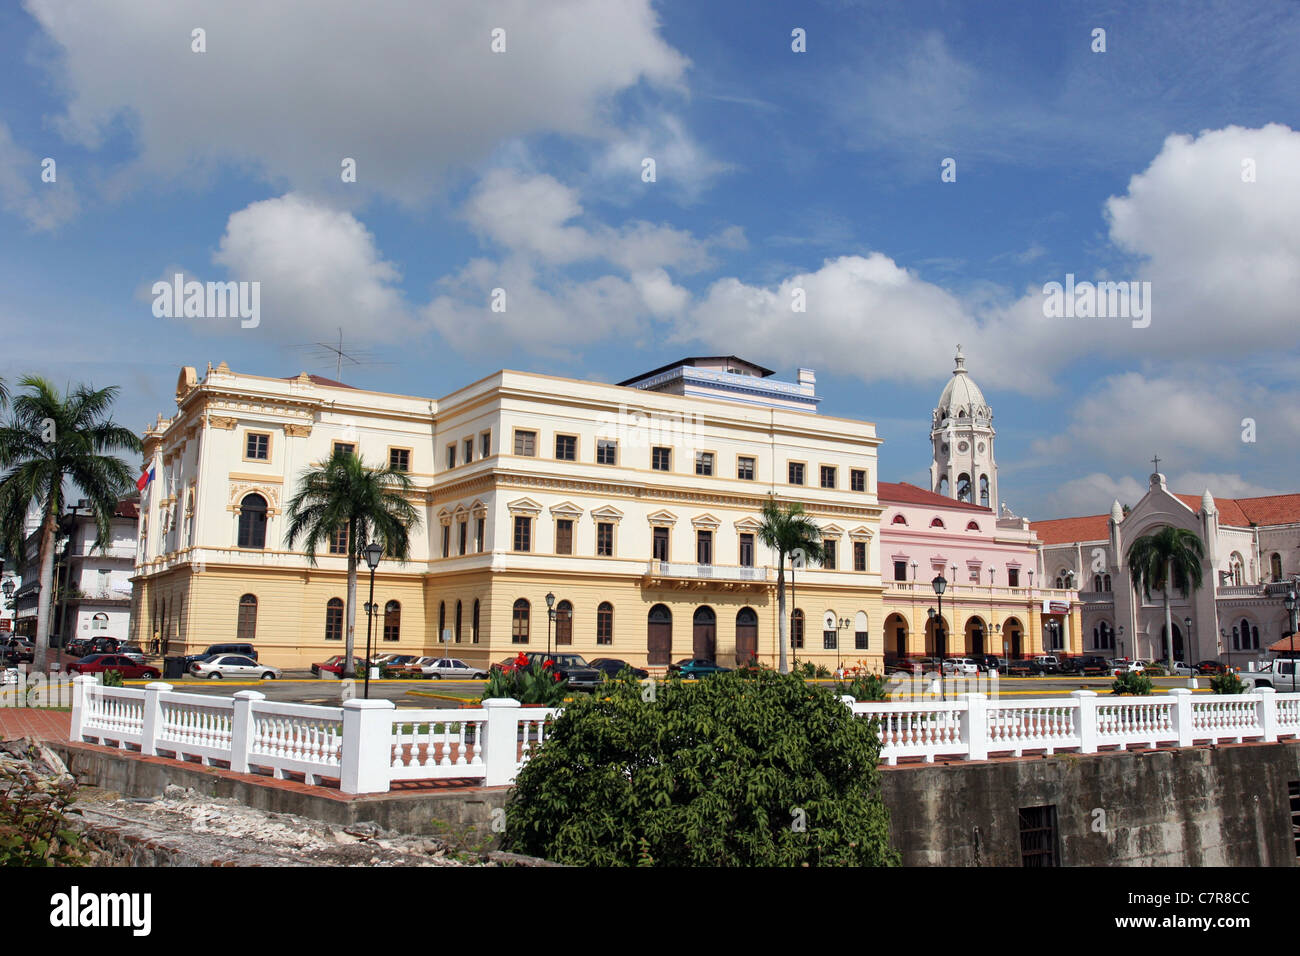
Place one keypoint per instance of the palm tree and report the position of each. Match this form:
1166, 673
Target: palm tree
1169, 558
371, 503
49, 440
788, 531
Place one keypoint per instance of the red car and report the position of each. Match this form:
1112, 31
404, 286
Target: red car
335, 666
129, 669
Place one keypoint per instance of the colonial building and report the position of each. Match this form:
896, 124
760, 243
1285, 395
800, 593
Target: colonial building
1252, 557
636, 506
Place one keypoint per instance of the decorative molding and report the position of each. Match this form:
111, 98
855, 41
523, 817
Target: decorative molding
297, 430
259, 479
220, 421
524, 506
607, 513
565, 509
706, 521
267, 489
662, 518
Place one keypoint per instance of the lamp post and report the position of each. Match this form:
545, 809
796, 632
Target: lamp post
81, 505
940, 585
842, 625
372, 553
550, 621
1187, 640
1120, 632
1290, 602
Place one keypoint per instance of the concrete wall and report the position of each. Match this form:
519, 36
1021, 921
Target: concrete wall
1205, 806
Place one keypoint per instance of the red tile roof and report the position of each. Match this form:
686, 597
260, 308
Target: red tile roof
127, 508
1066, 530
902, 493
1233, 512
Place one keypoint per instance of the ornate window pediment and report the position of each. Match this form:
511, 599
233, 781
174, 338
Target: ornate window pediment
666, 518
607, 513
565, 509
706, 521
524, 506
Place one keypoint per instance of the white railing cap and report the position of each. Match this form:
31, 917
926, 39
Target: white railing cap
492, 703
249, 695
358, 703
158, 685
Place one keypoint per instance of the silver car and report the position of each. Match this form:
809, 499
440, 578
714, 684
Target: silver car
220, 666
449, 668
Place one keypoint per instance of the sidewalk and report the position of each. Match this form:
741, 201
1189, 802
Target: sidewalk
33, 722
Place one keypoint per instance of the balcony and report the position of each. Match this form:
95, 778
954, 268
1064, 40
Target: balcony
698, 576
984, 592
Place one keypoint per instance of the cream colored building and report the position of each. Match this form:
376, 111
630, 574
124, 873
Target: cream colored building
636, 505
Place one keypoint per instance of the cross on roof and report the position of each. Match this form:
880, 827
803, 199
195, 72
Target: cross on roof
1156, 461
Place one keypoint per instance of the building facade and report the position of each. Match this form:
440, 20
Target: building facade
1252, 558
635, 505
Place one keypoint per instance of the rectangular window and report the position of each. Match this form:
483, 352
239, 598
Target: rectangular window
464, 534
604, 625
704, 547
563, 537
566, 447
344, 448
828, 476
860, 640
661, 458
830, 553
479, 533
485, 444
746, 550
661, 544
796, 631
526, 444
339, 541
704, 463
259, 446
1039, 845
446, 541
523, 533
451, 456
900, 570
605, 539
606, 452
745, 469
830, 639
975, 575
467, 450
859, 556
857, 480
796, 473
1013, 577
399, 459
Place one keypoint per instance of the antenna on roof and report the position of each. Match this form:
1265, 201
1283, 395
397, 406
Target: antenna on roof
324, 352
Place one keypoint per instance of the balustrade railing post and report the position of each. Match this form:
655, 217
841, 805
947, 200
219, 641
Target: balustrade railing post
152, 717
241, 729
1182, 714
500, 741
1266, 712
367, 746
82, 686
1086, 716
975, 726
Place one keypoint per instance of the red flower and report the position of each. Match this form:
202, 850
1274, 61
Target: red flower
549, 664
521, 660
558, 677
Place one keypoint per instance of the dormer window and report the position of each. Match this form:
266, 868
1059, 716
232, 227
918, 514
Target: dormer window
972, 526
899, 519
936, 522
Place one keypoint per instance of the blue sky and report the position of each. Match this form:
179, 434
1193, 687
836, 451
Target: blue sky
775, 170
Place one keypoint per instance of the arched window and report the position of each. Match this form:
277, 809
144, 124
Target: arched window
963, 487
943, 486
1235, 569
746, 635
899, 519
972, 525
563, 623
457, 624
334, 620
984, 490
246, 630
1275, 566
1096, 582
474, 625
519, 623
442, 618
860, 636
1105, 582
1060, 583
605, 623
99, 622
252, 522
392, 621
936, 522
796, 630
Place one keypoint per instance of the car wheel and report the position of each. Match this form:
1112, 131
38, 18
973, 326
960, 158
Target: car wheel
214, 676
268, 676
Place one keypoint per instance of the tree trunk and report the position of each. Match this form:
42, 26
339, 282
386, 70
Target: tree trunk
780, 613
351, 612
1169, 621
45, 600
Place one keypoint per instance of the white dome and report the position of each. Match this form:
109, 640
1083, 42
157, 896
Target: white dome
961, 397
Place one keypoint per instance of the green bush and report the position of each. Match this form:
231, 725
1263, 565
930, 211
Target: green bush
527, 683
864, 687
35, 829
752, 769
1228, 683
112, 678
1155, 670
1126, 683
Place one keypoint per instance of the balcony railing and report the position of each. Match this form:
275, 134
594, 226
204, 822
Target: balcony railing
986, 591
708, 572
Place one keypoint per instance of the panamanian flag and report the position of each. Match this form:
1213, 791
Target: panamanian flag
144, 479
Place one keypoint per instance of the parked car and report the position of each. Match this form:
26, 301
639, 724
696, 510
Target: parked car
1020, 668
1046, 664
133, 651
335, 666
8, 675
99, 663
391, 662
1124, 665
696, 668
573, 668
1094, 666
20, 650
411, 668
219, 666
612, 667
989, 662
1280, 674
449, 668
1211, 667
78, 647
962, 666
103, 645
1071, 665
1179, 669
245, 650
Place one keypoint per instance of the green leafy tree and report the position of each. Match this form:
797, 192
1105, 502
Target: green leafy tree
50, 441
1171, 557
788, 531
371, 503
1227, 683
743, 769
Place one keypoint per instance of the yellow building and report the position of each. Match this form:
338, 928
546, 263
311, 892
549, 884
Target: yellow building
635, 505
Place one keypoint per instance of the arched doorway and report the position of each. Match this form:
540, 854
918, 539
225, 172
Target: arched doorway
896, 637
932, 649
1011, 633
975, 631
746, 636
705, 634
1178, 643
659, 636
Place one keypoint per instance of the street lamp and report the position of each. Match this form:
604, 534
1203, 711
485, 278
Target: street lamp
842, 625
993, 573
1120, 632
940, 584
1290, 603
372, 553
1187, 628
550, 620
914, 567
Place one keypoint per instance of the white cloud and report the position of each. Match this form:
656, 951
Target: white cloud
681, 165
413, 92
44, 205
1093, 494
1221, 485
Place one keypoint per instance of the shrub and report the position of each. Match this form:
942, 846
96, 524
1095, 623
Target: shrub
34, 811
112, 678
1227, 683
527, 683
1155, 670
753, 769
1127, 683
864, 687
